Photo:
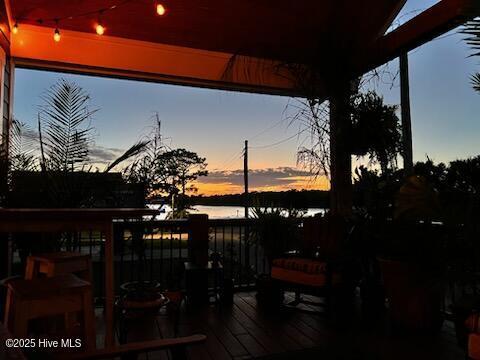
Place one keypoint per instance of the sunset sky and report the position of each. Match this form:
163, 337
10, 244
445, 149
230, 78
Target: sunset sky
445, 116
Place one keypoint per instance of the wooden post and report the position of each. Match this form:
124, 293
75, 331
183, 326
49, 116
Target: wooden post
109, 284
245, 177
407, 149
340, 155
198, 239
6, 92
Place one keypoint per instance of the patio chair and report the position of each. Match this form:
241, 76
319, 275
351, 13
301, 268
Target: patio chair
28, 299
472, 324
55, 263
61, 295
320, 267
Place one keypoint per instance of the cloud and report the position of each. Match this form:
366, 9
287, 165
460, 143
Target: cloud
268, 179
104, 155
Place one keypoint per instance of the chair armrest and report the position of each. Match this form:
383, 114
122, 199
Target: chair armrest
139, 347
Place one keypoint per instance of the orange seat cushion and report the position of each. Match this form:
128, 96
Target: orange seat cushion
474, 346
301, 271
308, 266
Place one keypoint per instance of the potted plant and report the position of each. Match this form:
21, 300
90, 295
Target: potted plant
276, 232
412, 259
141, 296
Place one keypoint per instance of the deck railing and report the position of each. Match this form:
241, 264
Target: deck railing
156, 250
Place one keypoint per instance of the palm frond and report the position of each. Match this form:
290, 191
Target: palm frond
472, 31
66, 115
134, 150
22, 141
476, 81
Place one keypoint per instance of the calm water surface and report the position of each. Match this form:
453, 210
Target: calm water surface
221, 212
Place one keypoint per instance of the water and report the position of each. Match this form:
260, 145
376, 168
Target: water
220, 212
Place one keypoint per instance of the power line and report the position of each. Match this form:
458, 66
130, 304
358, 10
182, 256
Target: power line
230, 159
267, 129
278, 142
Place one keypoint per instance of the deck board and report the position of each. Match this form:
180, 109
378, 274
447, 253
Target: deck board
244, 330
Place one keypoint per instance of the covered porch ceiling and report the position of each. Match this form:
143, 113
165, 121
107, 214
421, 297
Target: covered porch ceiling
245, 45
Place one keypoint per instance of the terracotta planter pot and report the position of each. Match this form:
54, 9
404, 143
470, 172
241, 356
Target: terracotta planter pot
414, 297
142, 299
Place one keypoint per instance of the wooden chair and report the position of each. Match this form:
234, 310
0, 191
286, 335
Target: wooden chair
52, 264
46, 297
319, 267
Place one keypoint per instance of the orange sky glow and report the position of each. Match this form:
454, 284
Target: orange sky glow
294, 183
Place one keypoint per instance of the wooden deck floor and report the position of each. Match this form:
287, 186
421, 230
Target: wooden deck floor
244, 331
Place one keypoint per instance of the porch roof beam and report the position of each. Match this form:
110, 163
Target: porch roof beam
431, 23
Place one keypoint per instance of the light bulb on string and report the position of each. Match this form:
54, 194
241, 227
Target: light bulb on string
100, 29
56, 35
160, 9
15, 28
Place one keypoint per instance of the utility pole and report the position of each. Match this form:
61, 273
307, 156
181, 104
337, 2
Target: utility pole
245, 176
407, 152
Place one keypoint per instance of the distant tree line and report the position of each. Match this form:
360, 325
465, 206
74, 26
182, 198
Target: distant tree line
283, 199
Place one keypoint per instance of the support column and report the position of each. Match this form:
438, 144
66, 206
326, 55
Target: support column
5, 119
198, 239
6, 87
340, 156
407, 148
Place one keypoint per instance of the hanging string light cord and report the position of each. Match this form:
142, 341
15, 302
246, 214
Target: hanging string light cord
99, 28
56, 20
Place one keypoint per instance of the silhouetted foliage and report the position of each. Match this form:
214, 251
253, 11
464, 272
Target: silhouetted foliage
179, 169
64, 127
22, 144
375, 130
275, 229
60, 149
145, 167
472, 30
476, 82
167, 174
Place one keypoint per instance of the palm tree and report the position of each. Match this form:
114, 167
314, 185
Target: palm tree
65, 135
64, 127
472, 30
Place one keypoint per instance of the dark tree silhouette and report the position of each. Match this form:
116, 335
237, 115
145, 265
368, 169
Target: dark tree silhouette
178, 169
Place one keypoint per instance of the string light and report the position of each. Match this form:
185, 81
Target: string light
100, 29
99, 26
56, 34
161, 9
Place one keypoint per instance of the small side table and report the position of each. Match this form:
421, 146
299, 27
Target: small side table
197, 282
